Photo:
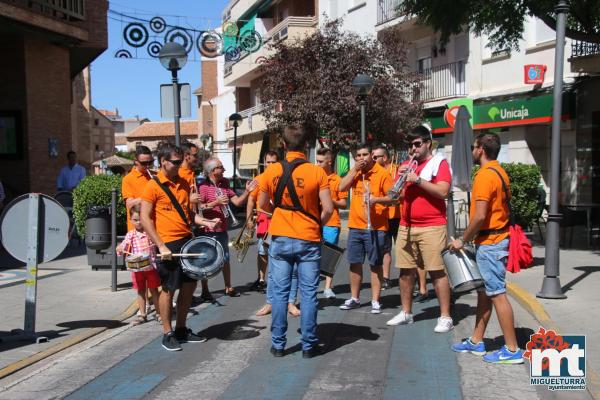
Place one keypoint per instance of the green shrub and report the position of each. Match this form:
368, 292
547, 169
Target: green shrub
524, 182
95, 190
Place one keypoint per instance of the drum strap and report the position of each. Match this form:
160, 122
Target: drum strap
286, 181
511, 221
174, 201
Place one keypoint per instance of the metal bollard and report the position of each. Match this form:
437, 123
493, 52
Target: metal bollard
113, 239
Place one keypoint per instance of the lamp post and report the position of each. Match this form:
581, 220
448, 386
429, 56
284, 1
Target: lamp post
173, 57
551, 288
363, 84
235, 118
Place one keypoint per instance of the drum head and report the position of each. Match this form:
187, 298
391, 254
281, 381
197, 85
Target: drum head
208, 264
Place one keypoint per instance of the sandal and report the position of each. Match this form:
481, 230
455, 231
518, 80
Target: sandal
231, 292
140, 319
207, 298
293, 310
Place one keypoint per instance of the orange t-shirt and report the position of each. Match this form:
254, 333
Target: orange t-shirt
334, 188
188, 175
487, 186
393, 211
132, 187
309, 180
380, 182
168, 222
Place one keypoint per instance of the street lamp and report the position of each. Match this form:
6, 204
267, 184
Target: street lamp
173, 57
551, 288
235, 118
363, 84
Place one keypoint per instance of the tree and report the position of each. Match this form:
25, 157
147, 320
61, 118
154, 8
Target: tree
309, 80
503, 20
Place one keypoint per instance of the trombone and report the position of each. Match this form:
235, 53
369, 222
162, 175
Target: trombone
243, 240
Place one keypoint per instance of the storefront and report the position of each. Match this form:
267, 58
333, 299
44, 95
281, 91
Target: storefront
524, 123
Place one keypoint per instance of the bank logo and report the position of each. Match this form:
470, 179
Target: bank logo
493, 113
556, 361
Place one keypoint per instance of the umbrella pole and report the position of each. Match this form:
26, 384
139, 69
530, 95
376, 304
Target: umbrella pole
450, 215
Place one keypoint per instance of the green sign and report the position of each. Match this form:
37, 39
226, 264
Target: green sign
514, 112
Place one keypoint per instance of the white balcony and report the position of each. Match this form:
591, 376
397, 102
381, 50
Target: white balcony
241, 72
253, 121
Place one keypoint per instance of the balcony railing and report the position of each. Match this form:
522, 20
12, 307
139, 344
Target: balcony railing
582, 49
387, 10
441, 82
67, 10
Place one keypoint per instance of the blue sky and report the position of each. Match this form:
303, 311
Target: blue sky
133, 85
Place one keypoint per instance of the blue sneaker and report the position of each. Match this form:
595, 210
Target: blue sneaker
469, 347
504, 356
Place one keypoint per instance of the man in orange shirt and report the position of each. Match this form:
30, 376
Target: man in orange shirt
488, 227
134, 182
169, 232
331, 230
302, 203
370, 184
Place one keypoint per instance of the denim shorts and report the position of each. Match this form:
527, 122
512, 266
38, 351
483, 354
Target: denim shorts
363, 242
331, 234
222, 238
260, 245
491, 260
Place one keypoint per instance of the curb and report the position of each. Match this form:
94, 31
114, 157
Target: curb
537, 311
91, 332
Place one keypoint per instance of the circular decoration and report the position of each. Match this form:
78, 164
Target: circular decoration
135, 34
233, 53
122, 54
181, 36
230, 28
157, 24
251, 41
262, 60
154, 48
210, 44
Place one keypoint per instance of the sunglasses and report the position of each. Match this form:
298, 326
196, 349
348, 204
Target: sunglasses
416, 144
175, 162
146, 163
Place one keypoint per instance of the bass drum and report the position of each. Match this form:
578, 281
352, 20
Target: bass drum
206, 258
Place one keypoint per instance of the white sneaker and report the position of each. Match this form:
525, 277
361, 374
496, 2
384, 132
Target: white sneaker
375, 307
329, 294
401, 319
444, 324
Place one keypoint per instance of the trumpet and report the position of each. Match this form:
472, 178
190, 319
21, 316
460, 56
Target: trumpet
394, 192
226, 209
244, 239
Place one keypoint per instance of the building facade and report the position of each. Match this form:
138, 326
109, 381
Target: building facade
48, 44
150, 134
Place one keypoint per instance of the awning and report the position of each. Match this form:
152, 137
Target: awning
250, 154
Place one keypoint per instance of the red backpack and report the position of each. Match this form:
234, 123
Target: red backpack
520, 254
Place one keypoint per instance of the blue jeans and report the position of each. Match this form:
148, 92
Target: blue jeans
491, 260
284, 254
293, 288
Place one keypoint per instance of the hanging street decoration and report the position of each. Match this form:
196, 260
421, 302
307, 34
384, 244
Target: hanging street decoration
145, 37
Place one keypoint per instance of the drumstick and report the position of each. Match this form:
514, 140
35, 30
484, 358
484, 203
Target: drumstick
188, 255
462, 251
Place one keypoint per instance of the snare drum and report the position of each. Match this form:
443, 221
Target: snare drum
137, 261
206, 266
462, 269
330, 258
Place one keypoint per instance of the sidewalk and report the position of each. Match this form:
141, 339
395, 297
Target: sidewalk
578, 313
73, 303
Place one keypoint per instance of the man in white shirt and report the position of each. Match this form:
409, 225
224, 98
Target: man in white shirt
70, 175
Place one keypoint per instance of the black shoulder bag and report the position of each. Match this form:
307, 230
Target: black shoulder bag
286, 181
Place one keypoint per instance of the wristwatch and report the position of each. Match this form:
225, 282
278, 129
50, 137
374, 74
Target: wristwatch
418, 181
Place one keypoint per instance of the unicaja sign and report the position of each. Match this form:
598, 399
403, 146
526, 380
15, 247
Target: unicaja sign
557, 362
505, 113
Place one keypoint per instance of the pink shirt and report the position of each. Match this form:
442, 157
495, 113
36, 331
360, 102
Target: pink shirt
139, 243
208, 193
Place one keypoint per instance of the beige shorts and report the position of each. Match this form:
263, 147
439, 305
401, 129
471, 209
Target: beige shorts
421, 247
